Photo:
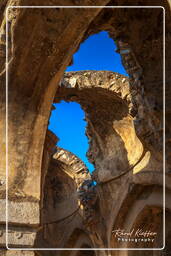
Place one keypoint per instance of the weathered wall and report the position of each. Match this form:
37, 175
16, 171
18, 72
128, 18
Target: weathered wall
37, 30
43, 42
107, 101
125, 165
61, 210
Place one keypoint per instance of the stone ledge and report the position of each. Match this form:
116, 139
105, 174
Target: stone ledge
27, 213
18, 237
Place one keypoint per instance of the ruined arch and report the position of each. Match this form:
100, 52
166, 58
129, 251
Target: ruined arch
46, 93
35, 74
61, 212
145, 204
98, 93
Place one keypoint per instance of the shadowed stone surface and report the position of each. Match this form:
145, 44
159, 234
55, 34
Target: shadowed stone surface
125, 128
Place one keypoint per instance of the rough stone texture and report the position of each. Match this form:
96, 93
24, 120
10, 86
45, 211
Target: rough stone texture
107, 19
45, 47
77, 169
125, 124
65, 174
23, 222
18, 237
21, 212
106, 99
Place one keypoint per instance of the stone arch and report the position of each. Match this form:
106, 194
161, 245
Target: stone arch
35, 73
159, 238
143, 201
43, 58
38, 110
99, 92
131, 186
61, 212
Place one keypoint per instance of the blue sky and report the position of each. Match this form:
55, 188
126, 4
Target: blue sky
96, 53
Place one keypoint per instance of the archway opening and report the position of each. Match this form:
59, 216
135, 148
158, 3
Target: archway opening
69, 124
98, 52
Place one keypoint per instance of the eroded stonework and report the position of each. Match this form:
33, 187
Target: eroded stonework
52, 199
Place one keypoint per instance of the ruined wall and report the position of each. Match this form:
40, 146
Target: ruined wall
127, 170
61, 212
107, 101
41, 45
38, 31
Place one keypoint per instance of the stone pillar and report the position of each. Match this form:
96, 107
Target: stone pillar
24, 212
23, 219
49, 150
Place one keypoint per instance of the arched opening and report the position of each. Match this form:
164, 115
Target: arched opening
96, 93
96, 53
70, 90
142, 226
68, 123
101, 95
41, 53
105, 98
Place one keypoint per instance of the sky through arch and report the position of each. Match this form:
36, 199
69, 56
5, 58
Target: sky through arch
98, 52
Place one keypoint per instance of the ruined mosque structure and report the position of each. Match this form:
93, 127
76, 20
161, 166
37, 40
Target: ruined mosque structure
53, 200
